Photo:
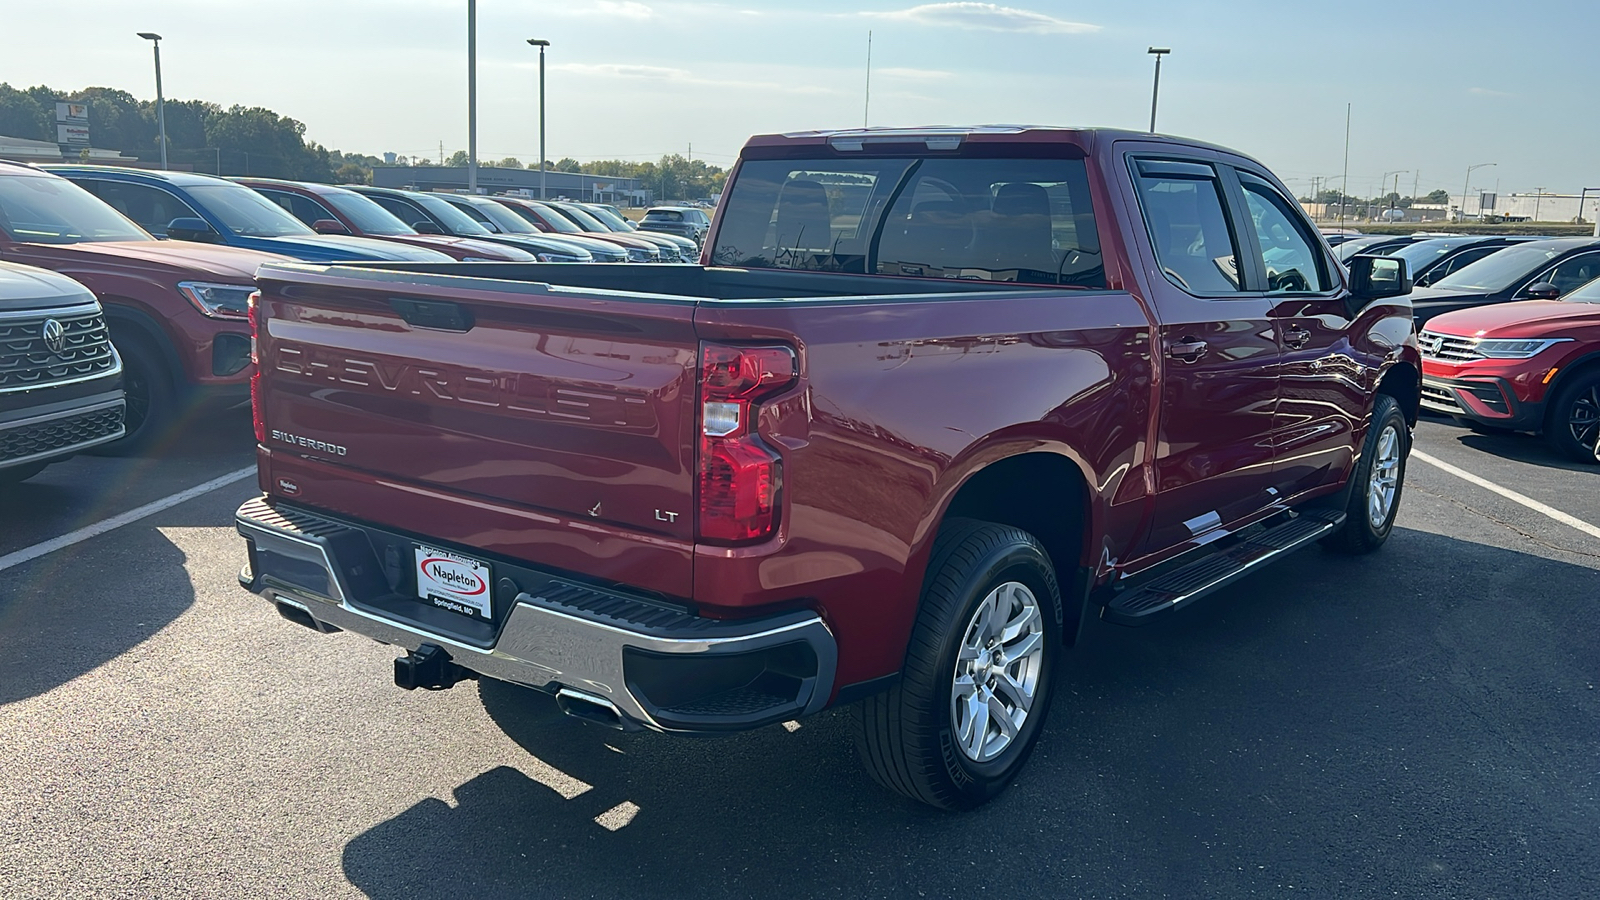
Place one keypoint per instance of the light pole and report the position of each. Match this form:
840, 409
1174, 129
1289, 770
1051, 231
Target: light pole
1155, 89
1465, 185
161, 103
472, 96
1396, 173
1536, 198
541, 44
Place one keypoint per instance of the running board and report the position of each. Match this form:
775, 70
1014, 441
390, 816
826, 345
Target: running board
1166, 592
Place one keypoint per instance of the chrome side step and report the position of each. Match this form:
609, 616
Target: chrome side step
1170, 590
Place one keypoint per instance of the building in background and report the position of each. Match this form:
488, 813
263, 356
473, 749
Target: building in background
525, 182
23, 150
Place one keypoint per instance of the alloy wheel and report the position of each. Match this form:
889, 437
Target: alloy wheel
997, 671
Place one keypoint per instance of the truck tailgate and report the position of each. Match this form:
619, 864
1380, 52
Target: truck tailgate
564, 419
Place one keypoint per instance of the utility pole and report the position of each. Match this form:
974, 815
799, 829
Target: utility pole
1155, 89
1536, 198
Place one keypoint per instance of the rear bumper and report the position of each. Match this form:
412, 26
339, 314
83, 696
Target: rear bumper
1489, 400
657, 666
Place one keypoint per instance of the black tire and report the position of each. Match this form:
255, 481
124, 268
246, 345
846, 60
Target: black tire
152, 399
1572, 424
1359, 533
17, 474
906, 736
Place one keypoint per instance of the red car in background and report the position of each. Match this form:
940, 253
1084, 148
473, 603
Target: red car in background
175, 309
337, 210
1527, 366
548, 220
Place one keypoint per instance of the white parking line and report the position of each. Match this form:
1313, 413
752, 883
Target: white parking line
19, 557
1505, 492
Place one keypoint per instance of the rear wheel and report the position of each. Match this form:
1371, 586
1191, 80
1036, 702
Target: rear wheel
1378, 479
976, 685
1573, 423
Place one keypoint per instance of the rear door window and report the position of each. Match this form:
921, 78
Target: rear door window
1575, 272
152, 208
303, 208
403, 211
1184, 214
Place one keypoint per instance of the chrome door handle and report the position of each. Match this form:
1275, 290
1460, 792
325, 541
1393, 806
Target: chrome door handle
1187, 349
1295, 337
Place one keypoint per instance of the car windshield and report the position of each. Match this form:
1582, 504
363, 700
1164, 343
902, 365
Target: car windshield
545, 214
509, 222
369, 217
584, 218
48, 210
1421, 253
611, 220
455, 221
1589, 293
247, 213
1498, 271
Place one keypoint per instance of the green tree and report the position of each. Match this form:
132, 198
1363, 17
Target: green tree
23, 116
1440, 196
457, 159
351, 173
568, 164
510, 162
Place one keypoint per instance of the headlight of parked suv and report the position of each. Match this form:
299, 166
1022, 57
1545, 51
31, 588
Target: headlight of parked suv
638, 254
557, 257
1511, 348
219, 301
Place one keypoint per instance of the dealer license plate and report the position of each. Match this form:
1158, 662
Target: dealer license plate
454, 582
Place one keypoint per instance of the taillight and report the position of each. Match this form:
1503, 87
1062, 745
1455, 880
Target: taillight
258, 415
741, 479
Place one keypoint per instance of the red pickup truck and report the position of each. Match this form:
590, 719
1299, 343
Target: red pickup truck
932, 398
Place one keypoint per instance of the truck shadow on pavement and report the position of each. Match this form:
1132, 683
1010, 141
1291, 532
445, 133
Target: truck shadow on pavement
1342, 726
57, 620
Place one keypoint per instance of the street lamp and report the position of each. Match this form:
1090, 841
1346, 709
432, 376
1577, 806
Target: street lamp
1155, 89
541, 44
161, 103
1396, 173
472, 96
1467, 184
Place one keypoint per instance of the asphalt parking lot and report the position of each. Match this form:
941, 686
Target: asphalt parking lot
1420, 723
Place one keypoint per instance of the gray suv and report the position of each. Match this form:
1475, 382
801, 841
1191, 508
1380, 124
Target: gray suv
684, 221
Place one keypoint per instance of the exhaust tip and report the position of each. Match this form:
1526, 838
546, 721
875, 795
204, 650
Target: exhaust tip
590, 708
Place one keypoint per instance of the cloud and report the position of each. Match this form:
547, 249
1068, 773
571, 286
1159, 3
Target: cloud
984, 16
1486, 92
913, 74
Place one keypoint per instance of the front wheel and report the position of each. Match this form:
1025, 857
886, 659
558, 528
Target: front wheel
151, 398
1378, 479
976, 684
1573, 426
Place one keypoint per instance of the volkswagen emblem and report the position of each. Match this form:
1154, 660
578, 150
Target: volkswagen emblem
55, 337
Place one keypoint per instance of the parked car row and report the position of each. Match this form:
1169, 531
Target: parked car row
1510, 331
143, 278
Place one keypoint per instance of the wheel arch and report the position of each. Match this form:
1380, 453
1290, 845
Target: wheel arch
1040, 488
1403, 382
129, 316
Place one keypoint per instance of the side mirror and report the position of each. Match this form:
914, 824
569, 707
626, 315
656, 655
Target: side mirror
426, 227
1377, 277
328, 226
1543, 290
191, 228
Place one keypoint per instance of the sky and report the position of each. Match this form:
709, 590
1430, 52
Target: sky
1434, 85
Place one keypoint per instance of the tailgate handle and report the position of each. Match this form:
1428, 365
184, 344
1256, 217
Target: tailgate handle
441, 314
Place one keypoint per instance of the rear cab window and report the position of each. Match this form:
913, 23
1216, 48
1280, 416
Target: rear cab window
1028, 221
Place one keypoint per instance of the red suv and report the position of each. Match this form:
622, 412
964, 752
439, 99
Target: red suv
175, 309
1528, 366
